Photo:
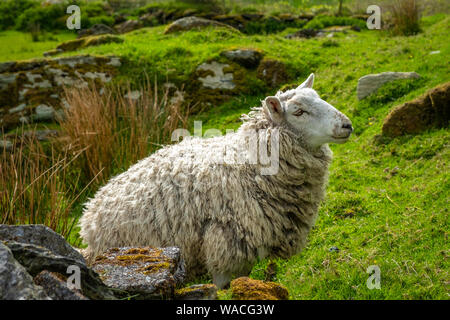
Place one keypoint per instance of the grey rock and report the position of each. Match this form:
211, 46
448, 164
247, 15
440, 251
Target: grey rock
6, 144
245, 57
197, 292
142, 273
15, 282
55, 286
19, 108
128, 26
188, 23
6, 79
372, 82
96, 29
44, 113
35, 259
42, 236
219, 79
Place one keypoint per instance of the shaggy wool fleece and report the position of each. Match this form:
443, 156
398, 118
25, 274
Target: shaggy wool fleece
223, 216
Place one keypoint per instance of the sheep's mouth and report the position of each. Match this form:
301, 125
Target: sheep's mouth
341, 138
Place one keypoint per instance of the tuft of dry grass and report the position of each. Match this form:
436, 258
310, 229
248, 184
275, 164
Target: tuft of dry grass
117, 126
404, 16
36, 186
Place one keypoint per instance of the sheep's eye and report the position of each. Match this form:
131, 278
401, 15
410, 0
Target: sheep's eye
299, 112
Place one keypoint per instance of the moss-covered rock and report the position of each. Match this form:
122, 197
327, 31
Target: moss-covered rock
428, 111
89, 41
143, 273
189, 23
245, 288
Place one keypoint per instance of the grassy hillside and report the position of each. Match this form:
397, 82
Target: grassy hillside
388, 200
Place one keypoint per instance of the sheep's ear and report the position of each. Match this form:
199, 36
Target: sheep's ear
275, 108
308, 83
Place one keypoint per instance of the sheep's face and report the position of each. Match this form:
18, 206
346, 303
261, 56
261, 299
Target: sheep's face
313, 118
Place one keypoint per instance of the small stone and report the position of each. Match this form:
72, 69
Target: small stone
19, 108
197, 292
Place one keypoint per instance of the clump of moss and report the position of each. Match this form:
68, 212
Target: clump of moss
245, 288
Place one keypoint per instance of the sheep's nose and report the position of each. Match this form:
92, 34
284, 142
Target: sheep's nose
347, 126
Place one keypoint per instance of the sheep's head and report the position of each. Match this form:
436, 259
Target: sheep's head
303, 111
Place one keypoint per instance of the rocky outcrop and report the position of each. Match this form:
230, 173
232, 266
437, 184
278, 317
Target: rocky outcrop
40, 235
372, 82
30, 91
428, 111
189, 23
141, 273
245, 288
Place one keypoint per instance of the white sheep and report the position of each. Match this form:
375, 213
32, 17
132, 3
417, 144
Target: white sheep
225, 213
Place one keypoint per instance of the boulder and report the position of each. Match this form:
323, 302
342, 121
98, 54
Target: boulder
95, 30
247, 58
372, 82
142, 273
36, 258
273, 72
15, 282
197, 292
245, 288
428, 111
189, 23
55, 286
128, 26
42, 236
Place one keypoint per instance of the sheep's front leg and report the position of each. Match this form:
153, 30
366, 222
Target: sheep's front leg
221, 280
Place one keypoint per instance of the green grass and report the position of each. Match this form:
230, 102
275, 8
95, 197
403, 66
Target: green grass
387, 204
19, 46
